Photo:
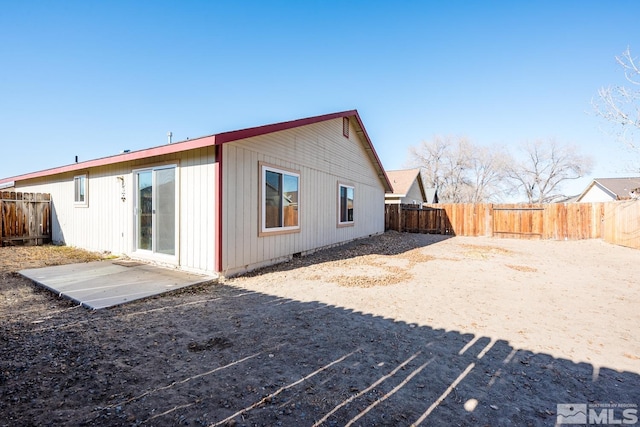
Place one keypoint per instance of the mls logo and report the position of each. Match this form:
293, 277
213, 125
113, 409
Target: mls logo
571, 413
597, 413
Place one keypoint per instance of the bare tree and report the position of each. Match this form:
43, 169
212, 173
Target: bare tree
461, 171
544, 167
489, 168
620, 105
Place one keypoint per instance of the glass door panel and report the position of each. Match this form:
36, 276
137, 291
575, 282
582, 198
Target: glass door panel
166, 211
156, 210
145, 210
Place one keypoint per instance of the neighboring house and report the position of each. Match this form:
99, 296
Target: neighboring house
608, 189
408, 188
432, 195
225, 203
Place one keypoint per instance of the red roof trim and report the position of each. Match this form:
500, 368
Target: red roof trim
373, 151
119, 158
236, 135
206, 141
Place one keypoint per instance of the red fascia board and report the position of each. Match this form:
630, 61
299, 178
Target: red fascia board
119, 158
221, 138
373, 150
205, 141
236, 135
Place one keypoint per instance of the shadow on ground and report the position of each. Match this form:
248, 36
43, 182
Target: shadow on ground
220, 355
383, 244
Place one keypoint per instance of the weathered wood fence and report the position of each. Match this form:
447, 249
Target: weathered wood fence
615, 222
622, 223
25, 218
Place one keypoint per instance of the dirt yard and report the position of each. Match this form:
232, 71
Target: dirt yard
397, 329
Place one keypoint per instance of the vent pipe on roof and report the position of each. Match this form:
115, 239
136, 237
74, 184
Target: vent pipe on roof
169, 135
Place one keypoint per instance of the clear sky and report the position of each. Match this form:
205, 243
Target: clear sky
91, 78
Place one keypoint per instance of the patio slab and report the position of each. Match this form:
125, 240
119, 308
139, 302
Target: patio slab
103, 284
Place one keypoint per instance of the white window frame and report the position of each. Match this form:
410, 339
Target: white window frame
84, 181
347, 223
263, 230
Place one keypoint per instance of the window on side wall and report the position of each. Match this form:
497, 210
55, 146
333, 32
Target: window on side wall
80, 190
345, 204
280, 195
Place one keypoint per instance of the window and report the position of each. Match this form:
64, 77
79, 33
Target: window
345, 204
279, 200
345, 127
80, 197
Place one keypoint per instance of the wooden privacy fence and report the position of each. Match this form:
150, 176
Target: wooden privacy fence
25, 218
622, 223
616, 222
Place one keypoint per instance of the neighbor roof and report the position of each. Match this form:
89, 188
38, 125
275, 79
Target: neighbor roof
218, 139
432, 195
619, 188
402, 180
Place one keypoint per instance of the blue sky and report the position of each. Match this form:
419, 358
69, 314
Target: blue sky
92, 78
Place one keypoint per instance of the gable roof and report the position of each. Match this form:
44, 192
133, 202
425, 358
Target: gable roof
402, 180
432, 195
617, 188
218, 139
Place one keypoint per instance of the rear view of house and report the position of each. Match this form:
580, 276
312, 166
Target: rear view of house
225, 203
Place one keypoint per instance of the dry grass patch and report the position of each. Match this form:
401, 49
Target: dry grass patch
416, 256
395, 274
484, 252
394, 267
359, 281
16, 258
524, 268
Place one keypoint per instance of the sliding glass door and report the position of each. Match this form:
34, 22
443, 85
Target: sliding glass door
155, 211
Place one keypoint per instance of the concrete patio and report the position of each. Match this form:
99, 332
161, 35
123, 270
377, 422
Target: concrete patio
103, 284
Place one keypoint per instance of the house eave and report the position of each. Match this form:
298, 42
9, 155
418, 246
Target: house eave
217, 139
120, 158
593, 183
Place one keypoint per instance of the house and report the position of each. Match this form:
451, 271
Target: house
408, 188
432, 195
609, 189
225, 203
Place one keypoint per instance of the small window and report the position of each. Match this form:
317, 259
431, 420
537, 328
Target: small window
81, 196
345, 127
280, 190
345, 204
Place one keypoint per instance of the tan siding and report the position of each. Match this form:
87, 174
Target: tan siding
229, 207
319, 152
197, 208
323, 157
107, 224
187, 251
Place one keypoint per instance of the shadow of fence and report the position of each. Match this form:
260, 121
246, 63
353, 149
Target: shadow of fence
226, 356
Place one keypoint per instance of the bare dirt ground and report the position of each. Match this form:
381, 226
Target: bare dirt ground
397, 329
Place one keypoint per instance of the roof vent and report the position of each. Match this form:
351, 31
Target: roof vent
169, 135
